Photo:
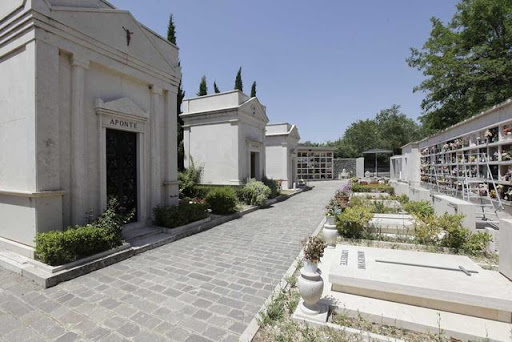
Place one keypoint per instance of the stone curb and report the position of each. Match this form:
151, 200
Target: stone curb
253, 327
45, 278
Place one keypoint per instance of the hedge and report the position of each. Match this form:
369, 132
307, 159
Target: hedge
61, 247
373, 188
176, 216
222, 200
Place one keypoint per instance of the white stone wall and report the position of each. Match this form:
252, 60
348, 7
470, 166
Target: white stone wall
215, 149
281, 142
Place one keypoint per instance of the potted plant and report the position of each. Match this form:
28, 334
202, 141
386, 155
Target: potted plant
310, 282
330, 232
331, 210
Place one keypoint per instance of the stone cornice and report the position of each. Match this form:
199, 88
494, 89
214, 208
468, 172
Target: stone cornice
29, 194
94, 47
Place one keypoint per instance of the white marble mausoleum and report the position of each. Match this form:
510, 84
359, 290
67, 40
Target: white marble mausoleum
87, 111
225, 134
281, 143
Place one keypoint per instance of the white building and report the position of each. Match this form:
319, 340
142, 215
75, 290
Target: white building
225, 134
281, 142
477, 151
88, 111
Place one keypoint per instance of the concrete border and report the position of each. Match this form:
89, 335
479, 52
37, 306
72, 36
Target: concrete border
48, 276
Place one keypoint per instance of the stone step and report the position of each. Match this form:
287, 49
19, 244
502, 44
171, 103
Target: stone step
131, 234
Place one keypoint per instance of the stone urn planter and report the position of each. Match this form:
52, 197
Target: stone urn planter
310, 286
330, 232
310, 282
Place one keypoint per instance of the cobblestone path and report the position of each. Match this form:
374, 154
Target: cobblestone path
206, 287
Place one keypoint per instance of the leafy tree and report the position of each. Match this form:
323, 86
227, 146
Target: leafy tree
203, 87
238, 80
390, 129
171, 30
253, 89
215, 88
468, 62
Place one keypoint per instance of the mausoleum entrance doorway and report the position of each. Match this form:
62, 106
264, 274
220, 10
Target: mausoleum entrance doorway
255, 158
121, 165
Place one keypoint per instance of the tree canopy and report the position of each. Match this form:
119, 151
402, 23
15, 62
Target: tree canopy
203, 87
238, 80
215, 88
390, 129
467, 62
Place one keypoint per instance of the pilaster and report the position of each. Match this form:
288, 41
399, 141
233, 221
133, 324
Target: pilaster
79, 188
156, 128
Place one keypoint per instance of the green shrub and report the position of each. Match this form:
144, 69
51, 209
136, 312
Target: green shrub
403, 199
477, 243
188, 179
222, 200
61, 247
273, 185
255, 193
176, 216
455, 235
421, 209
373, 188
353, 222
427, 231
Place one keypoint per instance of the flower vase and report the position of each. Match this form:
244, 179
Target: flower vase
310, 286
330, 232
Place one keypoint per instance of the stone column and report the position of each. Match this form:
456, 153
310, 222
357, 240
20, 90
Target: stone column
171, 148
156, 127
79, 188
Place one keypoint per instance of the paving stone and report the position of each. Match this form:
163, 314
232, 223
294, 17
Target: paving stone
129, 330
214, 282
68, 337
178, 334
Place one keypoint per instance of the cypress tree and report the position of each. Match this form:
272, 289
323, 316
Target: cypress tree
253, 89
215, 88
171, 31
171, 37
238, 80
181, 145
203, 87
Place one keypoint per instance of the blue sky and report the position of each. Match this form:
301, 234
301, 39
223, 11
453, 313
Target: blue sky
318, 64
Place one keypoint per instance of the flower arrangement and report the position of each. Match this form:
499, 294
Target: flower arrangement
492, 193
506, 156
472, 159
507, 130
482, 190
507, 195
313, 249
488, 134
478, 140
333, 208
495, 156
446, 147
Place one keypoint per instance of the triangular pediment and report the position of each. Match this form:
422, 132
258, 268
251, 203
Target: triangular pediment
112, 27
123, 106
255, 109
